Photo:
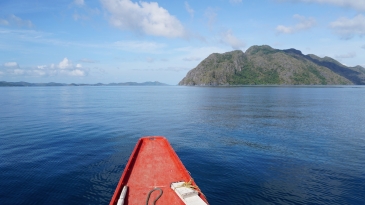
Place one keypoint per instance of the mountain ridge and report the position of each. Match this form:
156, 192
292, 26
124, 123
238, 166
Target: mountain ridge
264, 65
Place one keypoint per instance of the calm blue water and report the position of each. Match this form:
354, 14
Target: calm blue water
242, 145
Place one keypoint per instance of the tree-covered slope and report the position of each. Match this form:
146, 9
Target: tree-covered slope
263, 65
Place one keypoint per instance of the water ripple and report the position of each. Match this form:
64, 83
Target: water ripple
252, 145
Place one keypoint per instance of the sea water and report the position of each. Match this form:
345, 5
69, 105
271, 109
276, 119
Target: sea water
242, 145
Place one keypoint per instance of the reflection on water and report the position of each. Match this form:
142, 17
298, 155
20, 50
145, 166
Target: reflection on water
252, 145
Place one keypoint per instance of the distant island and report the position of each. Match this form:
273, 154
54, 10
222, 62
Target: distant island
264, 65
156, 83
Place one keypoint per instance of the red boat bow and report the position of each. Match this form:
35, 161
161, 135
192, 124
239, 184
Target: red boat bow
154, 164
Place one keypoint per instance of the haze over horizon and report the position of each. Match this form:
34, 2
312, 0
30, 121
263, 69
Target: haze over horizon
81, 41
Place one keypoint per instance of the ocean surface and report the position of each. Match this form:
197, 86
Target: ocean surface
242, 145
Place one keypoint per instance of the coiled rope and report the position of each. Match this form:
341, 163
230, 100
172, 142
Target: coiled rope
149, 194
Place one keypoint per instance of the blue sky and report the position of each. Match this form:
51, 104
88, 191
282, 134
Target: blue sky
82, 41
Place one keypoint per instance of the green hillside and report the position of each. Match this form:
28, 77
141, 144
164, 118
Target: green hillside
263, 65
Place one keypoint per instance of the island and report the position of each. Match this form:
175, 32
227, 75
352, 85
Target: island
264, 65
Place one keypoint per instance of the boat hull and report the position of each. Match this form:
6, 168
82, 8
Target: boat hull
153, 163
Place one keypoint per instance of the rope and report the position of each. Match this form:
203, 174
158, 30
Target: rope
149, 194
188, 185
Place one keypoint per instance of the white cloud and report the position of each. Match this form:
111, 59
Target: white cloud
355, 4
192, 58
235, 1
11, 64
79, 2
211, 15
283, 29
18, 72
231, 40
20, 22
76, 72
189, 9
4, 22
348, 28
143, 17
39, 72
65, 63
347, 55
64, 68
303, 24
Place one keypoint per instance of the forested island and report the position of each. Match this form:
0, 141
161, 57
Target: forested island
264, 65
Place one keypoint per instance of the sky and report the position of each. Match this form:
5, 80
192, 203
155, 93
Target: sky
106, 41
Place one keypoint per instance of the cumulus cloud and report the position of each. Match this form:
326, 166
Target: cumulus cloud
65, 63
11, 64
76, 72
192, 58
189, 9
231, 40
347, 55
348, 28
235, 1
143, 17
303, 24
65, 68
354, 4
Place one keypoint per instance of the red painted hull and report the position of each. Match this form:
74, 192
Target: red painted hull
153, 163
